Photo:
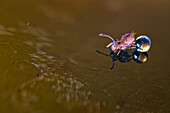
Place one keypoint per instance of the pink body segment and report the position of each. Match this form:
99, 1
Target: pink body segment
127, 41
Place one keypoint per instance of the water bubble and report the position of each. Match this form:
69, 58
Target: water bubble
143, 43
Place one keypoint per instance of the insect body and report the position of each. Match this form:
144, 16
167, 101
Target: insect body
127, 41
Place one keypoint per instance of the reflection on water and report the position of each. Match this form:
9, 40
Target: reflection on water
49, 64
140, 57
126, 56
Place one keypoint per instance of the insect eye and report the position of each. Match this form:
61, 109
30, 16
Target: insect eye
118, 43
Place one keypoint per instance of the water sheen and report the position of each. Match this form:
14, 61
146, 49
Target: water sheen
49, 61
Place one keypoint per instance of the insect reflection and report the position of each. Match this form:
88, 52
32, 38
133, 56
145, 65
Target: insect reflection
126, 56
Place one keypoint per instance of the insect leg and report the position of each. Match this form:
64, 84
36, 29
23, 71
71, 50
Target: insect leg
104, 35
131, 47
109, 44
102, 53
118, 52
112, 65
132, 44
109, 49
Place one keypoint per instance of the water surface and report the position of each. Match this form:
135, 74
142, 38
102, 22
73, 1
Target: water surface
49, 61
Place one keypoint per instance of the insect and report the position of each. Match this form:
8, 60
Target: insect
127, 41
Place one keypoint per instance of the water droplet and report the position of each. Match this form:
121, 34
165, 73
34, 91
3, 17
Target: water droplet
143, 43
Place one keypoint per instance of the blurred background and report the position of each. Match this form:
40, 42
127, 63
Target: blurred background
49, 62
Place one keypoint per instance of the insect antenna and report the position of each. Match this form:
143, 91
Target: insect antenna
104, 35
133, 33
